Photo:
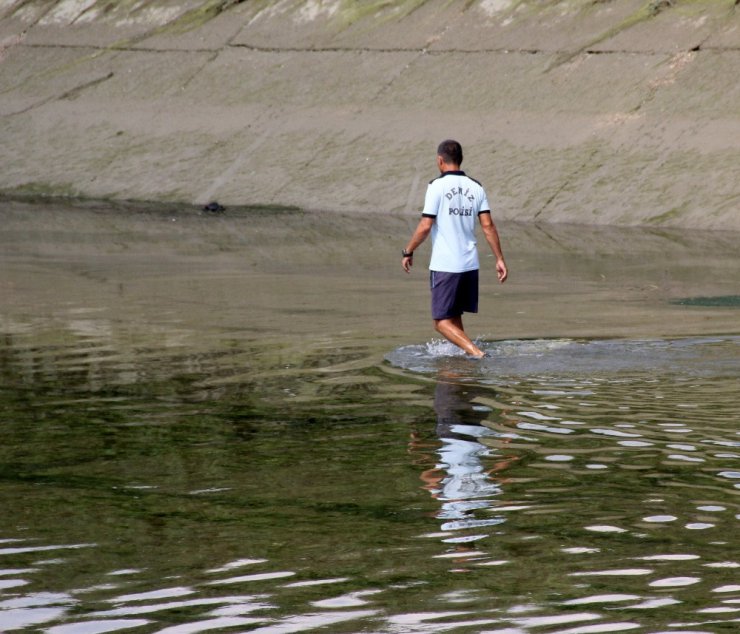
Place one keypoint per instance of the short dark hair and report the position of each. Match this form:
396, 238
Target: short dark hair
451, 152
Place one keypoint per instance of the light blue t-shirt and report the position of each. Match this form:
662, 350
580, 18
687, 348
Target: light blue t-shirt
454, 200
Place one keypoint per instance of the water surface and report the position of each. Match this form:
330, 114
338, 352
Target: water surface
243, 424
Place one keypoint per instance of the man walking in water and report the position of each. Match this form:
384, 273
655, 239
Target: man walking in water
452, 204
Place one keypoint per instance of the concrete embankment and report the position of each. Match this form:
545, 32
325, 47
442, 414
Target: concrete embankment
612, 112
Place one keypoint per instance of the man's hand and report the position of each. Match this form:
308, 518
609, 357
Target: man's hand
501, 271
407, 262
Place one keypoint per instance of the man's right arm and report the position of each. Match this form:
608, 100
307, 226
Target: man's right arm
420, 234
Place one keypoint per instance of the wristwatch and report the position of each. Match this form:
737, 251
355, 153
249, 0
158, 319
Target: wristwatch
407, 254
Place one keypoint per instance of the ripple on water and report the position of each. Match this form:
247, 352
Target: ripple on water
537, 490
612, 409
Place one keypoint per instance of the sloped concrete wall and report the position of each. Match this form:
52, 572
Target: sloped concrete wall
608, 111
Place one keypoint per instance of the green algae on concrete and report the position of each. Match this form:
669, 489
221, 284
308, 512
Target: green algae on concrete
39, 190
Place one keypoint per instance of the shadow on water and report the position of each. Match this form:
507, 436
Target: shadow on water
200, 434
729, 301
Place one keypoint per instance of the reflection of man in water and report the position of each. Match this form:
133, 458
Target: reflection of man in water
460, 480
452, 205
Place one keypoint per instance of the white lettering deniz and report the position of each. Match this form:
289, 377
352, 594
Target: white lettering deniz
458, 191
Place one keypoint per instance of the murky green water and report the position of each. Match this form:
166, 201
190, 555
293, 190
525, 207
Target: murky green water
242, 424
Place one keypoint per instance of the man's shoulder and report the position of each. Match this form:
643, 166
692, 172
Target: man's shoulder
473, 180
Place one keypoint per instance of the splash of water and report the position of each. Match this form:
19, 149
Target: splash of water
706, 356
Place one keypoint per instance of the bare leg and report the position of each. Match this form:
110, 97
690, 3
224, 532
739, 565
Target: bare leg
452, 330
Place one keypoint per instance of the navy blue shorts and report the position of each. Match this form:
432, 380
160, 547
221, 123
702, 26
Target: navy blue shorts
453, 293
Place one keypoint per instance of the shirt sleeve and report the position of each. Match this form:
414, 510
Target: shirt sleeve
484, 206
431, 201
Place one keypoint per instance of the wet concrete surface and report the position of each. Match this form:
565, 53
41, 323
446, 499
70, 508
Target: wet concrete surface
609, 113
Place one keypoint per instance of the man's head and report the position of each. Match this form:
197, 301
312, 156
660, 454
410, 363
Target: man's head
449, 154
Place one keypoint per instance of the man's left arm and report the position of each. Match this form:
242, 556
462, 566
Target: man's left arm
491, 234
